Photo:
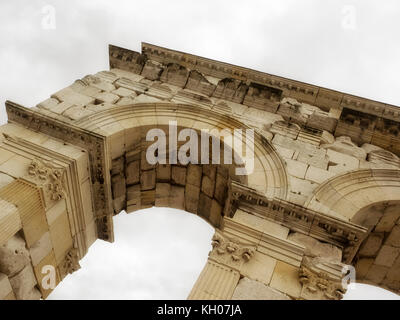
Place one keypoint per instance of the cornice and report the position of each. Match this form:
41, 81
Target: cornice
329, 229
319, 96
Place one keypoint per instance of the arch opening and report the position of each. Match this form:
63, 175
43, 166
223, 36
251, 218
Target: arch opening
142, 263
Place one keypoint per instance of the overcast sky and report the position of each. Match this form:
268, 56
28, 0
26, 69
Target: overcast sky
350, 46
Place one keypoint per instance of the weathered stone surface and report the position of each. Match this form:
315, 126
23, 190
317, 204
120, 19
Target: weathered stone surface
315, 248
387, 256
23, 285
207, 186
163, 172
192, 194
5, 286
371, 245
148, 179
178, 175
5, 179
248, 289
133, 172
13, 256
193, 176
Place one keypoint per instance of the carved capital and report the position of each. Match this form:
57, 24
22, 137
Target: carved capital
230, 251
70, 263
321, 280
49, 177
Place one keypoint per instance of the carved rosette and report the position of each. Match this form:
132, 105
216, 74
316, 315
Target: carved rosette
49, 177
319, 284
230, 251
70, 263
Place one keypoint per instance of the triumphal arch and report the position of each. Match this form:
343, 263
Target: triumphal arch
322, 195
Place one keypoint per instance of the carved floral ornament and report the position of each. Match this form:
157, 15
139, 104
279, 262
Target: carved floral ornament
71, 262
237, 251
320, 283
50, 177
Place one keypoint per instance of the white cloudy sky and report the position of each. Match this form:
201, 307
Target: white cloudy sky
351, 46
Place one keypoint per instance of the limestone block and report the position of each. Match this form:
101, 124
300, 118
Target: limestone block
194, 173
362, 266
10, 221
371, 245
387, 256
301, 186
48, 103
261, 224
318, 175
124, 92
197, 82
390, 215
220, 189
118, 186
61, 238
5, 179
164, 172
99, 82
133, 172
210, 171
133, 198
143, 98
177, 198
148, 198
248, 289
339, 162
192, 194
215, 213
119, 204
175, 74
204, 206
148, 179
344, 145
152, 70
5, 286
284, 152
64, 106
286, 279
124, 101
144, 164
13, 256
207, 186
118, 166
394, 237
73, 97
104, 97
296, 168
179, 175
41, 273
315, 248
23, 284
376, 273
230, 89
41, 249
260, 268
77, 112
162, 194
55, 211
316, 158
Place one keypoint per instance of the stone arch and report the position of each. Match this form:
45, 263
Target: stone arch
371, 199
344, 195
125, 129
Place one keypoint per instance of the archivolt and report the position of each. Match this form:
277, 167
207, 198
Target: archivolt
345, 195
269, 174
